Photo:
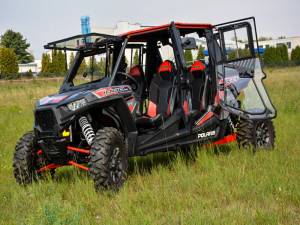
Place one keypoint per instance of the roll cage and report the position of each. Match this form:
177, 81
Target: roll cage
218, 66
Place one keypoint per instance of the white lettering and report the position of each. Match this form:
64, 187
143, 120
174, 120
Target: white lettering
207, 134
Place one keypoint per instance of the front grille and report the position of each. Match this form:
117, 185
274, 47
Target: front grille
45, 119
55, 150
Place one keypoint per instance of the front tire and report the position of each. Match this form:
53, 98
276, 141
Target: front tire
24, 161
256, 134
109, 159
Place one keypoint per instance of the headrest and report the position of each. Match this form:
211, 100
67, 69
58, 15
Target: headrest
197, 66
136, 71
166, 70
166, 66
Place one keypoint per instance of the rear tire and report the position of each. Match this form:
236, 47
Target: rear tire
24, 161
109, 159
256, 134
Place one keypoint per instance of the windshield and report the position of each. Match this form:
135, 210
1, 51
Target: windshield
81, 42
93, 69
91, 65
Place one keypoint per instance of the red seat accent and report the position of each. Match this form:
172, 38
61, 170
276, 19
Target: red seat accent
197, 66
198, 81
136, 71
186, 107
166, 66
152, 109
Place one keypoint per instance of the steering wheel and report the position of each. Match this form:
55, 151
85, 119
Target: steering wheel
132, 81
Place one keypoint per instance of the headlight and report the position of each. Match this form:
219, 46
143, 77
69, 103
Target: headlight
77, 104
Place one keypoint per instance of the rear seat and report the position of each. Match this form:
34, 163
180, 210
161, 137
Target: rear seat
198, 81
159, 96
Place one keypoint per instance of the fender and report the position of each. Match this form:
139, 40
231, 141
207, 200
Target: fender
126, 119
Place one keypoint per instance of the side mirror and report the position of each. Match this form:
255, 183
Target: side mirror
188, 43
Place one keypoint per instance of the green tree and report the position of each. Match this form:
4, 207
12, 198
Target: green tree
57, 67
284, 55
18, 43
200, 54
53, 64
8, 63
238, 53
46, 63
136, 58
295, 56
101, 66
126, 60
188, 56
92, 65
28, 74
71, 59
270, 56
82, 68
276, 56
61, 63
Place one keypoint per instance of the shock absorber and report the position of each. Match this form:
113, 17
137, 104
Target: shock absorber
231, 123
87, 129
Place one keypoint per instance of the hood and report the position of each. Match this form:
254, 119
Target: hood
70, 96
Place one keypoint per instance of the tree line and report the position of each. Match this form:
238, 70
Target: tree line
278, 56
55, 64
274, 56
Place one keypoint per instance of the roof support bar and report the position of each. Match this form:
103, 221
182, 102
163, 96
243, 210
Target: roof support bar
116, 67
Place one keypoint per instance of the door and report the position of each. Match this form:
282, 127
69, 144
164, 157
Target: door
239, 74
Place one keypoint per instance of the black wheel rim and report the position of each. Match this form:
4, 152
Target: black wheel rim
115, 165
262, 135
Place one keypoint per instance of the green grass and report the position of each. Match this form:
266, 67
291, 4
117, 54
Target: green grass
230, 186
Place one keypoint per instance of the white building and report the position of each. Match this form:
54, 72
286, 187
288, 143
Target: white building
290, 42
35, 67
121, 27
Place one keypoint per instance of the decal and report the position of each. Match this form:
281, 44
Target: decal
229, 80
131, 103
78, 93
207, 134
109, 91
219, 96
52, 99
204, 118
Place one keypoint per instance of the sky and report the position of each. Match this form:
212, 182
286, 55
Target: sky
42, 21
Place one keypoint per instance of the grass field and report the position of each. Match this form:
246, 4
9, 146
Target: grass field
230, 186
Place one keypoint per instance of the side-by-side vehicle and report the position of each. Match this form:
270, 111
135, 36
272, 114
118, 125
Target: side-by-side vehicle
135, 93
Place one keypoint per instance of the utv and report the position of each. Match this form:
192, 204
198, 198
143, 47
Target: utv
139, 95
